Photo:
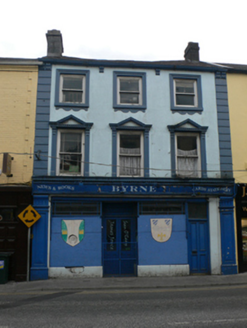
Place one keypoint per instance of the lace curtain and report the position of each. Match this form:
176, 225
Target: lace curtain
130, 165
187, 163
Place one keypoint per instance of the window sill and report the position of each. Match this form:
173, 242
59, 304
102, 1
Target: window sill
187, 110
132, 108
71, 106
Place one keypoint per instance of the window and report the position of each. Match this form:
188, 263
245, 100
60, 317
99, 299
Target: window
188, 150
186, 93
70, 145
130, 148
70, 154
129, 90
188, 155
72, 89
130, 157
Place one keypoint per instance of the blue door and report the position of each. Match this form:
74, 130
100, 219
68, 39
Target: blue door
119, 244
198, 246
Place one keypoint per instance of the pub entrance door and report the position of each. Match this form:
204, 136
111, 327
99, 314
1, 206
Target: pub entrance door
119, 239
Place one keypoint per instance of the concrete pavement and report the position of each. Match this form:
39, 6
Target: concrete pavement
80, 283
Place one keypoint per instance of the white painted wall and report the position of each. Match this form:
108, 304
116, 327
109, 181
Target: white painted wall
215, 238
158, 114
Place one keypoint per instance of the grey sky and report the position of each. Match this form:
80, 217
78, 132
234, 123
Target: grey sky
130, 29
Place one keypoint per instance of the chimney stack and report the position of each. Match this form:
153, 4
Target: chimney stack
191, 53
54, 43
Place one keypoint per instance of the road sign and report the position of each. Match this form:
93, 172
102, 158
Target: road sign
29, 216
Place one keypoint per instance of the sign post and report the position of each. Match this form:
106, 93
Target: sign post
29, 216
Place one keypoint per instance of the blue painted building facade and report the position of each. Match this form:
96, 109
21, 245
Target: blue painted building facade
139, 155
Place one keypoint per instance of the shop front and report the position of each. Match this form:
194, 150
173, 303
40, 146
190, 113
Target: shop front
241, 216
105, 228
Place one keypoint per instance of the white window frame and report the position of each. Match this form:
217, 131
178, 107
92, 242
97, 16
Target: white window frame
194, 94
127, 132
197, 136
138, 78
61, 89
58, 152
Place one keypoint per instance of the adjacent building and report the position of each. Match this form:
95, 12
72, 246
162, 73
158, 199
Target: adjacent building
133, 168
237, 83
18, 91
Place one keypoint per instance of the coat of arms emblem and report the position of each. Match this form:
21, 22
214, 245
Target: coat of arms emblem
72, 231
161, 229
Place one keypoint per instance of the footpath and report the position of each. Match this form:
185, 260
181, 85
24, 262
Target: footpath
79, 283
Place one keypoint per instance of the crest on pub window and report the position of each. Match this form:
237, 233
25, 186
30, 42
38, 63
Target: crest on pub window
72, 231
161, 229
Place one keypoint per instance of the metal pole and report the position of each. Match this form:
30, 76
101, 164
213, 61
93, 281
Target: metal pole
28, 252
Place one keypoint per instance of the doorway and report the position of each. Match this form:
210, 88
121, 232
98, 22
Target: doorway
119, 239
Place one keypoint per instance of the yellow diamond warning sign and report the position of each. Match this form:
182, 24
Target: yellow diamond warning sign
29, 216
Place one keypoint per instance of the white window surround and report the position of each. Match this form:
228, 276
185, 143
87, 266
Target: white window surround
76, 169
134, 92
182, 91
133, 159
188, 158
69, 94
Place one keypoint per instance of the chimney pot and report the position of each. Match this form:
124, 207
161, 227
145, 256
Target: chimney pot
54, 43
191, 53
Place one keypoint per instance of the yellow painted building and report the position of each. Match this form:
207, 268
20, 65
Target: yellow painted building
237, 99
18, 90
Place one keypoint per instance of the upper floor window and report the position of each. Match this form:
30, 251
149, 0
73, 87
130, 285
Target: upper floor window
188, 150
188, 155
130, 148
70, 152
72, 89
129, 91
70, 145
130, 153
186, 93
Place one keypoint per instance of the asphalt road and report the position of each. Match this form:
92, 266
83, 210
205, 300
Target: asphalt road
221, 306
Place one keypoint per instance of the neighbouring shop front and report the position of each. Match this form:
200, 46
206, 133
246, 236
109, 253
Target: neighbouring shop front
13, 232
104, 228
241, 216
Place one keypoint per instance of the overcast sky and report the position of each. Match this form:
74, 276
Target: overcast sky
129, 29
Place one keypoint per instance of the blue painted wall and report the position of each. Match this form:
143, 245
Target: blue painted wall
173, 251
86, 253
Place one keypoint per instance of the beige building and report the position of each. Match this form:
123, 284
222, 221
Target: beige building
18, 91
237, 97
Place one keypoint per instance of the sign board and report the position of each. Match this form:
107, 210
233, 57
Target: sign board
29, 216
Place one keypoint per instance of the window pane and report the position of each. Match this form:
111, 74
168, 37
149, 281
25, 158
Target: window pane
72, 82
126, 235
70, 142
131, 141
186, 142
185, 86
197, 210
186, 100
111, 235
70, 163
129, 85
130, 165
129, 98
72, 96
